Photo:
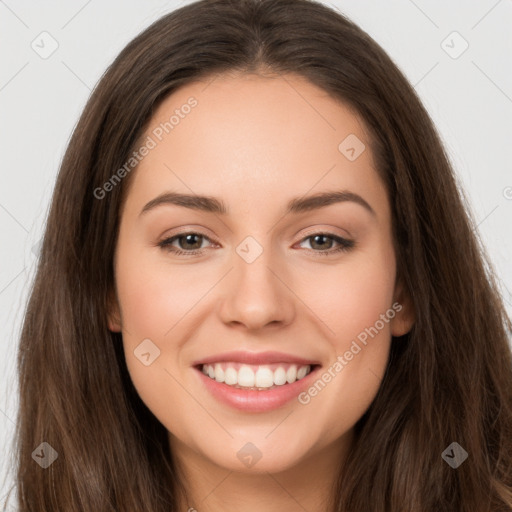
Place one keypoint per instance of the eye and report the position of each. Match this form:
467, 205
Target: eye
191, 242
325, 241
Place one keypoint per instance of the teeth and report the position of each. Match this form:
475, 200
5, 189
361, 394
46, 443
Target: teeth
255, 377
246, 377
280, 376
264, 377
219, 373
291, 374
301, 372
231, 376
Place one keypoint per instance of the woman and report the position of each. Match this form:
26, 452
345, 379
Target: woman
264, 368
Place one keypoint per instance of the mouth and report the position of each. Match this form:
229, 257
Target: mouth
256, 377
255, 388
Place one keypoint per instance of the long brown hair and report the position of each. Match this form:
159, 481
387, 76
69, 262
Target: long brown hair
448, 380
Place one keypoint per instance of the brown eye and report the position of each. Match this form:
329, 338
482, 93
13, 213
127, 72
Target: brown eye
322, 243
190, 241
187, 243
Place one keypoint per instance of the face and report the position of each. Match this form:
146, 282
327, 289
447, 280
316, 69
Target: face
258, 283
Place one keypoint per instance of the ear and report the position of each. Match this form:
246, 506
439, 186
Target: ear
113, 312
405, 315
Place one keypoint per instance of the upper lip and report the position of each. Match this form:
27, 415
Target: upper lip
255, 358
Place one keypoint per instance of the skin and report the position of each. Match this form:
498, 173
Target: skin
253, 141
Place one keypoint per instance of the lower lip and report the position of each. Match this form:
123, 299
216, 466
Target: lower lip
253, 400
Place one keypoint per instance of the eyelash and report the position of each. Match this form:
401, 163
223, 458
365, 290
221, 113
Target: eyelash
345, 244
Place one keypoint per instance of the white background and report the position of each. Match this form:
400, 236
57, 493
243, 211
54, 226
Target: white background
469, 99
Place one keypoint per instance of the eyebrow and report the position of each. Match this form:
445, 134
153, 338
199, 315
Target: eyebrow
297, 205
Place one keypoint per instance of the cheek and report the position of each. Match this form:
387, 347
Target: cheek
357, 306
355, 302
347, 297
351, 296
154, 298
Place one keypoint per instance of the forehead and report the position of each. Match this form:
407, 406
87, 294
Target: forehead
249, 136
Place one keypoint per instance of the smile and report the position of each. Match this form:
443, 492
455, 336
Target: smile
255, 377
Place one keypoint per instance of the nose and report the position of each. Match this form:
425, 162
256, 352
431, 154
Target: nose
257, 294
